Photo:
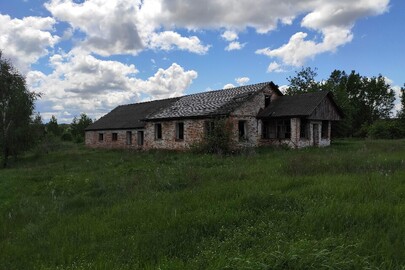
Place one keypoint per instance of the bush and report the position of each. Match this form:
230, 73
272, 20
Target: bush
386, 129
67, 137
218, 138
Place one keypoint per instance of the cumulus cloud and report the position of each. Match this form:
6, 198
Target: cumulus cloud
229, 35
166, 83
235, 45
334, 20
343, 14
274, 67
232, 36
120, 27
168, 39
110, 26
242, 80
298, 49
231, 14
127, 26
228, 85
83, 83
25, 40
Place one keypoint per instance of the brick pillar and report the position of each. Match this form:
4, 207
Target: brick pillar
295, 131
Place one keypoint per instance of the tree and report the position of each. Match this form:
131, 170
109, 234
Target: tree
78, 126
401, 112
303, 82
363, 100
37, 129
16, 108
337, 84
53, 127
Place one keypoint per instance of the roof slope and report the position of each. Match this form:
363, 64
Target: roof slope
296, 105
129, 116
207, 104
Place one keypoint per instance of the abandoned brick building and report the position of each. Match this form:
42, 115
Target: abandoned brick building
258, 115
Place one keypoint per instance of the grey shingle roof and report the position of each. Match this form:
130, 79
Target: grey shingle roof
208, 104
129, 116
296, 105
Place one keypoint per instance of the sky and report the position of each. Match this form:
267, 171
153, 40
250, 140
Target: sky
91, 56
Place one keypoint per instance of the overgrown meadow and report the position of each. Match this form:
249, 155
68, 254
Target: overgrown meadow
341, 207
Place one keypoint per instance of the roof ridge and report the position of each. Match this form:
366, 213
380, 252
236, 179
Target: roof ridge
227, 89
149, 101
193, 94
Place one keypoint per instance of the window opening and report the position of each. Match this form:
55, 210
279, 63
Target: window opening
129, 137
180, 131
115, 136
158, 131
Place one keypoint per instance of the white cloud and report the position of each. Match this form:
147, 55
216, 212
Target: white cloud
235, 45
127, 26
263, 15
165, 41
229, 35
298, 49
334, 20
342, 14
171, 82
242, 80
120, 27
83, 83
229, 85
110, 26
274, 67
25, 41
232, 36
283, 88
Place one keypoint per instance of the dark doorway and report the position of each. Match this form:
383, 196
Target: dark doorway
316, 135
140, 138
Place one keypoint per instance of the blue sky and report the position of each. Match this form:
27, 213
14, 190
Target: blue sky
91, 56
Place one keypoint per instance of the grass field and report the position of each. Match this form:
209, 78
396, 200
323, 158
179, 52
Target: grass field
341, 207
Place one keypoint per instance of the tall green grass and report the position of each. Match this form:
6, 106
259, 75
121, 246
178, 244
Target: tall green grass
341, 207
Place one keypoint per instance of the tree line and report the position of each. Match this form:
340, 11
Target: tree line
367, 102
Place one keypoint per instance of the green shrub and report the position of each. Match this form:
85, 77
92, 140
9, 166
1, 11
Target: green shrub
217, 139
67, 136
386, 129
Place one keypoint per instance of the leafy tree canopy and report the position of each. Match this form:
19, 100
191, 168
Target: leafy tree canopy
401, 112
16, 108
303, 82
53, 127
362, 99
79, 125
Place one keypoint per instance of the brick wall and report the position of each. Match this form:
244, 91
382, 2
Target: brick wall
193, 133
247, 113
92, 139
